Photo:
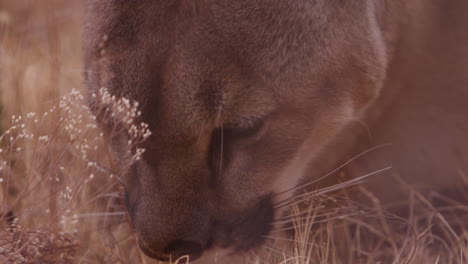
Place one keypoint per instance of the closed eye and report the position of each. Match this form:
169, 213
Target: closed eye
224, 138
244, 130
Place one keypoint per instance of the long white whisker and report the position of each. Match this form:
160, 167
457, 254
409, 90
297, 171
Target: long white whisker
221, 150
308, 214
352, 182
335, 170
315, 222
256, 257
306, 196
294, 219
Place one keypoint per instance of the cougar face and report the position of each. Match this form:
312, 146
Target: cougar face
240, 96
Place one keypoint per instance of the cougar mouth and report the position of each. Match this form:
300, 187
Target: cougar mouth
150, 253
248, 231
187, 251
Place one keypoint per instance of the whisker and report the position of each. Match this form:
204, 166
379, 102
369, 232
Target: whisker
352, 182
315, 222
294, 219
201, 133
326, 190
309, 214
188, 123
221, 151
366, 127
219, 124
256, 257
335, 170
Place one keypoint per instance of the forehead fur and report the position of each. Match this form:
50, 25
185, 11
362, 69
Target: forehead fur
166, 52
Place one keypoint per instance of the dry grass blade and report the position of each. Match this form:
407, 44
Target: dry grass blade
60, 184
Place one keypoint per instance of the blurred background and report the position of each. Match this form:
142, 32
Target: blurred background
40, 52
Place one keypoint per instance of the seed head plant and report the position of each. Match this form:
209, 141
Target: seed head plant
52, 152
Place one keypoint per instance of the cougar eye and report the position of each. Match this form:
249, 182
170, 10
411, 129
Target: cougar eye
244, 130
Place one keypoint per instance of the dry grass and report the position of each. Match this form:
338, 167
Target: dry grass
59, 192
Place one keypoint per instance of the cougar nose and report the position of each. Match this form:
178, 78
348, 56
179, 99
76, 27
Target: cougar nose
182, 247
174, 251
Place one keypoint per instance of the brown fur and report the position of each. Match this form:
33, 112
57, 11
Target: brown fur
308, 74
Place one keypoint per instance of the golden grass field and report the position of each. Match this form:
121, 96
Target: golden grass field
60, 200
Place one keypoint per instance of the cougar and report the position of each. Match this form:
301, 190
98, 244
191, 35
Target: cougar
248, 99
